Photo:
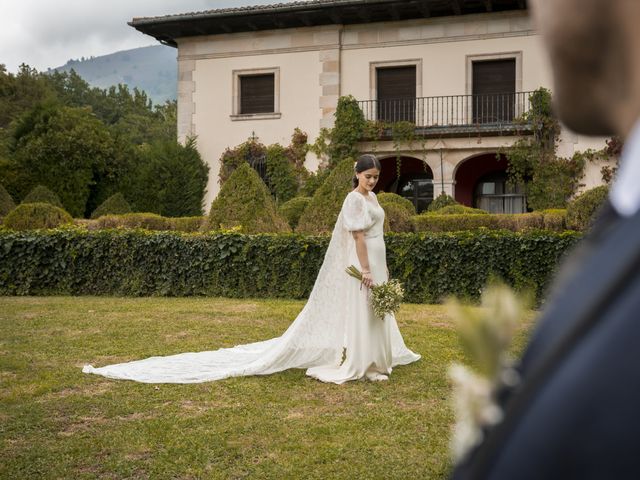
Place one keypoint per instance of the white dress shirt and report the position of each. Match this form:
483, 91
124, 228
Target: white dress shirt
625, 192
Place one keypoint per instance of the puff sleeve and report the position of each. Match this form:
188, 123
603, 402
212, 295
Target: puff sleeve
355, 213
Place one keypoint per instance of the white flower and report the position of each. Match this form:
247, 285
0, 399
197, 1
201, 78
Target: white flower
474, 409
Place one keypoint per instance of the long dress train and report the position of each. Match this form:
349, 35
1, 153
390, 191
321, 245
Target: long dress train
337, 320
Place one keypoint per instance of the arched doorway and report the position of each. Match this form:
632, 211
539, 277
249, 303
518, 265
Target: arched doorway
415, 182
481, 182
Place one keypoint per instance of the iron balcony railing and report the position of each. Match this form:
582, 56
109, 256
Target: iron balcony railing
450, 111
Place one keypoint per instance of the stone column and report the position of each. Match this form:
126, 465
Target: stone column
186, 104
330, 75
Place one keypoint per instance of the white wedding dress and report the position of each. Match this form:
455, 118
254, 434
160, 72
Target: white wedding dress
336, 336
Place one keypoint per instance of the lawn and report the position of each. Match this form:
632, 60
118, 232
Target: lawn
56, 422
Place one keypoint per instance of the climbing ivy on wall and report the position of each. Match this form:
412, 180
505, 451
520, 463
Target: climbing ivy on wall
550, 181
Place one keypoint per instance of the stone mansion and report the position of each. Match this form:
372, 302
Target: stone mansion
461, 70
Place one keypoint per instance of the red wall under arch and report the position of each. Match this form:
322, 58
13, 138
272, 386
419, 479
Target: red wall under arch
471, 170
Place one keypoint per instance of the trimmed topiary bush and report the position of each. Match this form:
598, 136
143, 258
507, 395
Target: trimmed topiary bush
6, 202
582, 210
41, 194
322, 213
32, 216
387, 198
114, 205
245, 201
396, 218
293, 210
457, 210
441, 201
554, 219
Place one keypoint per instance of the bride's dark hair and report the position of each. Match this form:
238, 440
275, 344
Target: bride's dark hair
365, 162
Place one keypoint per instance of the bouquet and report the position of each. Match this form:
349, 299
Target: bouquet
486, 334
385, 298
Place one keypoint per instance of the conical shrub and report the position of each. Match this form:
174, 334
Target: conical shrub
41, 194
323, 210
293, 209
116, 204
6, 202
583, 209
441, 201
245, 201
396, 218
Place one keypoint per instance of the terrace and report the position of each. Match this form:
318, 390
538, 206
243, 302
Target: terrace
455, 115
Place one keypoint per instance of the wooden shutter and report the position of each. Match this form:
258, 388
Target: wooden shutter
396, 93
256, 93
494, 87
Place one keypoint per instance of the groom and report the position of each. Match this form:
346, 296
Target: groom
576, 412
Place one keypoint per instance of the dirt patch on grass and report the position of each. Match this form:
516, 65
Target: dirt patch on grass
189, 408
4, 376
177, 335
88, 390
81, 425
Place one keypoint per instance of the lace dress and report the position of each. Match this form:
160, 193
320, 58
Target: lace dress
367, 338
336, 319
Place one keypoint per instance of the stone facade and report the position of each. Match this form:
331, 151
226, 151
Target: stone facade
316, 65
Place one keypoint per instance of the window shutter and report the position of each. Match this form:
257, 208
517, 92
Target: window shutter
396, 93
494, 87
494, 76
257, 93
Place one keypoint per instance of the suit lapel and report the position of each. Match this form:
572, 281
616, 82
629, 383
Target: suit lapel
552, 324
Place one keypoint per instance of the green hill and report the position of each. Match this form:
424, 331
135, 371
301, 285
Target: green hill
153, 69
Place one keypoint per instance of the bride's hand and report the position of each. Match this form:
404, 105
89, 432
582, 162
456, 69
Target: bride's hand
367, 279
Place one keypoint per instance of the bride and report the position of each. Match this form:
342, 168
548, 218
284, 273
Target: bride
336, 336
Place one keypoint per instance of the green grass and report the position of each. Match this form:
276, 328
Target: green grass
56, 422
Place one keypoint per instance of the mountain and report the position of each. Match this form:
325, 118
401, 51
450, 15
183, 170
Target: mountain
152, 69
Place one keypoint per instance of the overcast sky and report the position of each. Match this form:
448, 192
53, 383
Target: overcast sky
45, 34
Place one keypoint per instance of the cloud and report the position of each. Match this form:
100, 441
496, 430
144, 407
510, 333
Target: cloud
47, 34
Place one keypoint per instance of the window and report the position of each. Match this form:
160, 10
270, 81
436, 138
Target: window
417, 188
495, 195
396, 93
494, 87
256, 94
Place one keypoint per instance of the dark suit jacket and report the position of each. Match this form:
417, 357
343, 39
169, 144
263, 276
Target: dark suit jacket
576, 414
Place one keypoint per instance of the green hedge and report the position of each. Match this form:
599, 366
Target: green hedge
433, 222
73, 261
148, 221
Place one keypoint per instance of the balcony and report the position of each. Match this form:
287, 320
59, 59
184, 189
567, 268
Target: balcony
455, 115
